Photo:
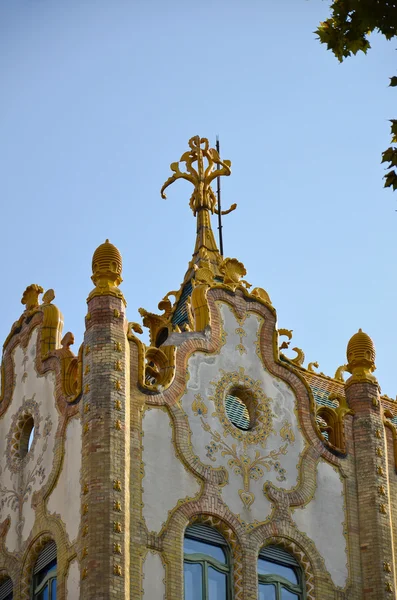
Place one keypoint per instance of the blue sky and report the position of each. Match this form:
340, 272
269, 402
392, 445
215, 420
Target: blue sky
98, 98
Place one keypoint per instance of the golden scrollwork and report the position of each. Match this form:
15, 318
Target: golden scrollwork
299, 359
331, 420
311, 366
262, 294
288, 334
339, 373
233, 271
157, 324
202, 176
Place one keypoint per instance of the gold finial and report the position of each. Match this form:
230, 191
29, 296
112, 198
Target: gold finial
203, 200
201, 178
361, 357
106, 270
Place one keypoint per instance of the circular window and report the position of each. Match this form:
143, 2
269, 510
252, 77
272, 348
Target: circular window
24, 435
240, 408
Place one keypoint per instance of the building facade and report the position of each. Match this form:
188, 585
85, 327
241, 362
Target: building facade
203, 465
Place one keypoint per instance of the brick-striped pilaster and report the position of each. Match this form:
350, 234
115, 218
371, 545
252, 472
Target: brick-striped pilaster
104, 537
370, 450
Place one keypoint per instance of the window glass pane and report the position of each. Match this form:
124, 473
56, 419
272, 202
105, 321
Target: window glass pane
287, 595
196, 547
53, 589
193, 575
41, 575
43, 595
216, 585
267, 592
266, 567
30, 440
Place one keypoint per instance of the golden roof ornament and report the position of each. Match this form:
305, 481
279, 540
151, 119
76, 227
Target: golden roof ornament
31, 295
361, 357
202, 176
203, 165
106, 270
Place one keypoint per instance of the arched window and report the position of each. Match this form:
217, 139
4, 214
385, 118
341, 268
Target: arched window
280, 576
6, 589
206, 564
44, 585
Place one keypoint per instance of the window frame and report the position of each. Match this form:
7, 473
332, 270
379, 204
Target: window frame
279, 581
47, 581
207, 561
46, 558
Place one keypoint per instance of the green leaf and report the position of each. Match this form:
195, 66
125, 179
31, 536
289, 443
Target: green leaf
391, 179
394, 126
387, 155
393, 82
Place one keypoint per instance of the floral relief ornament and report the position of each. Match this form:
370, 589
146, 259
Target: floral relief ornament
249, 468
16, 496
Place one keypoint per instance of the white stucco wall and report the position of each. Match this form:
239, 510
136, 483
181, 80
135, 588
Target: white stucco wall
239, 353
73, 581
17, 488
65, 498
323, 520
165, 476
153, 577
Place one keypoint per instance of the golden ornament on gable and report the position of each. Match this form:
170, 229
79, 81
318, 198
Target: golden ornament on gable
30, 297
330, 419
288, 334
261, 294
202, 176
339, 373
71, 368
361, 357
233, 271
106, 271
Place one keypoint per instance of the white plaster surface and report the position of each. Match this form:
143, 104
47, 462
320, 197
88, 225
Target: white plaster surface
28, 385
204, 372
153, 577
165, 480
65, 498
323, 521
73, 581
